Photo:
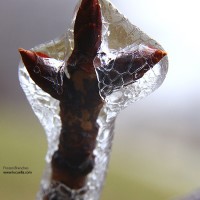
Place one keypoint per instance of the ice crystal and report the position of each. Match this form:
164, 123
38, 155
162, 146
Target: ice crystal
118, 36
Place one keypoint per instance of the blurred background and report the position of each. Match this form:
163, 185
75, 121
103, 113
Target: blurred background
157, 140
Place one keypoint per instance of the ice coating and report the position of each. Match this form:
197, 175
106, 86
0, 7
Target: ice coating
120, 71
118, 35
121, 36
40, 100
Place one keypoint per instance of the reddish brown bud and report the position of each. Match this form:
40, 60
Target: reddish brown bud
41, 72
158, 55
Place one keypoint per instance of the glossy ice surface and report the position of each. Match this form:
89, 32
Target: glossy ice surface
118, 36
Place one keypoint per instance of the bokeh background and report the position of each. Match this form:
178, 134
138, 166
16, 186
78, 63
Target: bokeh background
157, 140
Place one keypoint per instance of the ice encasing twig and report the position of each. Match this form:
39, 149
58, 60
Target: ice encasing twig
78, 94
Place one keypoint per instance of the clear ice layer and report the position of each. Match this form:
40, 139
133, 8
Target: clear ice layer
118, 35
